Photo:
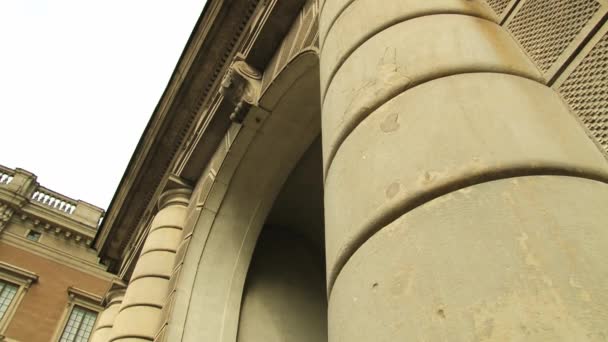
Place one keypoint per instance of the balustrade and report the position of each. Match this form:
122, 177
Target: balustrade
54, 200
6, 176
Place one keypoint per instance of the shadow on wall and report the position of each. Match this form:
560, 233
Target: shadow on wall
285, 296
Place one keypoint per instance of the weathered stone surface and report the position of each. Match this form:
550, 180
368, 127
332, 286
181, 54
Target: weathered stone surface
443, 135
362, 19
406, 55
521, 259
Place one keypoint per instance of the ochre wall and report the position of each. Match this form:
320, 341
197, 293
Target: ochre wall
39, 312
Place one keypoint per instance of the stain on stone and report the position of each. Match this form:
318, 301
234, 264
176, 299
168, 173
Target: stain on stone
429, 177
389, 78
487, 329
441, 313
393, 190
390, 124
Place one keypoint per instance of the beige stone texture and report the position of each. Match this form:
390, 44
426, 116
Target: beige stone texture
408, 54
435, 101
147, 290
141, 322
105, 321
392, 11
162, 238
154, 263
106, 318
140, 314
520, 259
442, 135
171, 216
101, 334
349, 30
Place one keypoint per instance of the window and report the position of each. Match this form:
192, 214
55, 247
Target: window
14, 283
79, 325
33, 235
79, 316
7, 294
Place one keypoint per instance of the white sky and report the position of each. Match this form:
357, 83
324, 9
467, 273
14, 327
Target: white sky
79, 80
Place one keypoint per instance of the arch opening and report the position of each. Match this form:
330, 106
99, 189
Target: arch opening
284, 297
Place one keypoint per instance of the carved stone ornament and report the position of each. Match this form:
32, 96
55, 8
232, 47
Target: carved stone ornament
241, 86
6, 213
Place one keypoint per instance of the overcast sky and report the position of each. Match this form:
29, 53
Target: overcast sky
79, 80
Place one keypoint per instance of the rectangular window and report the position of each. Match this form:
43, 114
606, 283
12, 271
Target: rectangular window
7, 293
79, 325
33, 235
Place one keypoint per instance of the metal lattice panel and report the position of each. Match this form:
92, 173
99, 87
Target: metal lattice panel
586, 91
498, 6
546, 28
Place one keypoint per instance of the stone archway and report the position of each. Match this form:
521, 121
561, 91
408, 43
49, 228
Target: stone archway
207, 301
285, 297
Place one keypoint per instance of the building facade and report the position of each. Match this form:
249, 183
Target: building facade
356, 170
51, 281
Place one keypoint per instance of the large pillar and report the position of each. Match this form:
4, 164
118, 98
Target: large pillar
463, 201
140, 313
105, 322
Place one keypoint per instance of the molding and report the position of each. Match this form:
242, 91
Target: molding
217, 79
81, 298
80, 294
131, 254
55, 255
303, 35
50, 220
180, 197
28, 277
209, 49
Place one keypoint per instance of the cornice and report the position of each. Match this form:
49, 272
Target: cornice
192, 107
205, 57
74, 292
55, 255
18, 272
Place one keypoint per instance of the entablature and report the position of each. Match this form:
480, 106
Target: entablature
22, 198
218, 76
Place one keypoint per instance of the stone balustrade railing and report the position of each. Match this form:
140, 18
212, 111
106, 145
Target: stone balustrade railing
6, 175
54, 200
75, 220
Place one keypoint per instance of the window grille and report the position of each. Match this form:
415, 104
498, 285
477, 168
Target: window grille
7, 294
79, 325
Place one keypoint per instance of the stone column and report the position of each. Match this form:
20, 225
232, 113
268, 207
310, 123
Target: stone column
140, 313
463, 201
103, 328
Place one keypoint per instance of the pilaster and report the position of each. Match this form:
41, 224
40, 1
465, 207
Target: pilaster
139, 315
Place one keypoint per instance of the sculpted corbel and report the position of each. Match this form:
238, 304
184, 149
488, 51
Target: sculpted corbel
241, 85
